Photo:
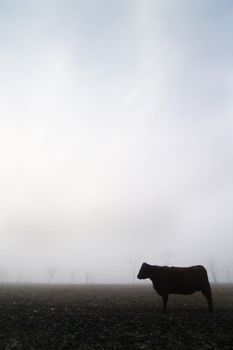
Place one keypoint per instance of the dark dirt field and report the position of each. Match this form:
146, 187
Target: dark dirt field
112, 317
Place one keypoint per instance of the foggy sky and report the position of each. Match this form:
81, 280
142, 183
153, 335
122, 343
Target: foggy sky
116, 139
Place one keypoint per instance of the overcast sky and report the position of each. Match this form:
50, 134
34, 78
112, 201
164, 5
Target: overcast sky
116, 135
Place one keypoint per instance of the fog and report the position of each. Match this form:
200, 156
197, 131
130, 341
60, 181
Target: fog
116, 139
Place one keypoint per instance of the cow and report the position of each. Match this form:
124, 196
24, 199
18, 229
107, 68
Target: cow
177, 280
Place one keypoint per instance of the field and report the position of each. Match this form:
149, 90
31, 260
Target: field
111, 317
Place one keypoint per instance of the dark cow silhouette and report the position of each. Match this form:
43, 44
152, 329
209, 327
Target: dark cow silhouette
177, 280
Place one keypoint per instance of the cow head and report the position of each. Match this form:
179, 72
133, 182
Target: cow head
143, 272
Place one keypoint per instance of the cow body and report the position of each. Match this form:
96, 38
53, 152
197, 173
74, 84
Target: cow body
177, 280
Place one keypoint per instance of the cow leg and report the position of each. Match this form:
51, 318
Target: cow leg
165, 300
207, 294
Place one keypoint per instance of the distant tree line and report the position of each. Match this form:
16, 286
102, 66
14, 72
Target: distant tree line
217, 273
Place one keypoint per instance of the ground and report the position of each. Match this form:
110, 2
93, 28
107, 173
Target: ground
112, 317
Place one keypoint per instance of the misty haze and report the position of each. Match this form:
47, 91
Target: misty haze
116, 137
116, 142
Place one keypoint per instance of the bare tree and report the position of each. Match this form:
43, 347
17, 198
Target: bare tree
19, 277
3, 276
72, 276
212, 266
133, 266
89, 276
51, 273
92, 275
228, 272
